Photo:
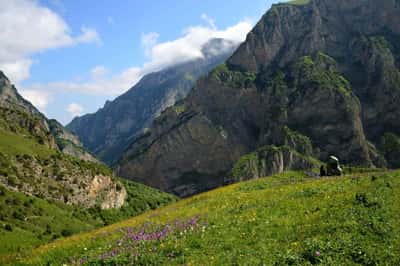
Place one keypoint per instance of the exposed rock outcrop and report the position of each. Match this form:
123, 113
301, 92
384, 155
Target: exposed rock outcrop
69, 143
269, 160
328, 69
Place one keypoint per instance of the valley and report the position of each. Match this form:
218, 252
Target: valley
267, 143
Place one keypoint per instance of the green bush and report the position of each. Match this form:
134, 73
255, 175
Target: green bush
66, 232
12, 181
8, 227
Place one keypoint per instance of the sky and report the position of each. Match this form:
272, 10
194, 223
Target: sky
69, 57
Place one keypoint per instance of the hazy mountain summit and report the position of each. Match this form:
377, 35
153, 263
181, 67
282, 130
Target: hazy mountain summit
109, 131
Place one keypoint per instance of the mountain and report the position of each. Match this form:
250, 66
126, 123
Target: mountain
39, 157
50, 186
322, 74
53, 133
287, 219
36, 157
109, 131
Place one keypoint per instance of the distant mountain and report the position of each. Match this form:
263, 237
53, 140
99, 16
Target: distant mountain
313, 78
109, 131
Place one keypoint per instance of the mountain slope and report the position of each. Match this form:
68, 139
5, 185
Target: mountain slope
40, 157
16, 112
33, 161
109, 131
286, 219
50, 187
27, 221
326, 70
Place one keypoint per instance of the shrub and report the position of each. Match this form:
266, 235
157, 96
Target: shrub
18, 215
8, 227
66, 232
48, 230
12, 181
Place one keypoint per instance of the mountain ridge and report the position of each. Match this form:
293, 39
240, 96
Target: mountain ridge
302, 66
109, 131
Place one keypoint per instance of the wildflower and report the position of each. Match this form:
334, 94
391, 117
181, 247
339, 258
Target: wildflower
317, 253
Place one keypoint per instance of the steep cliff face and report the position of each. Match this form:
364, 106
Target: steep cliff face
328, 70
110, 130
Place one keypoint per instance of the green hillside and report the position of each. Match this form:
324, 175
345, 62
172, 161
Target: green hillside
27, 221
50, 178
286, 219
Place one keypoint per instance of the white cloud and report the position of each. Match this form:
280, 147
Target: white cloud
75, 109
28, 28
38, 98
98, 72
16, 70
98, 84
88, 35
161, 55
188, 46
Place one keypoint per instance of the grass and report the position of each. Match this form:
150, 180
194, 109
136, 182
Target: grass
140, 198
286, 219
27, 221
15, 144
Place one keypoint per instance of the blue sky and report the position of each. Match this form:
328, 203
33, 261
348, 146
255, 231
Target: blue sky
68, 57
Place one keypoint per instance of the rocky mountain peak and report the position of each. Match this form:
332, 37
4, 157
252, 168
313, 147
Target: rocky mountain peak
327, 70
108, 132
290, 30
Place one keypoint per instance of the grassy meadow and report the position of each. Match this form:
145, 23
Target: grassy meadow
287, 219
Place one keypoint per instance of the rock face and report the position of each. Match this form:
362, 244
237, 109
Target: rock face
40, 157
295, 153
69, 143
328, 70
109, 131
269, 160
